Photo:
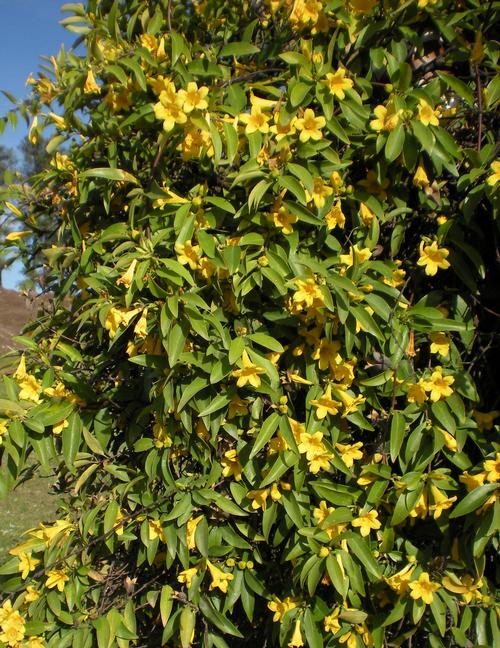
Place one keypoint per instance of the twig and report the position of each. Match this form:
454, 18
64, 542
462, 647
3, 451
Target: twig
480, 107
169, 15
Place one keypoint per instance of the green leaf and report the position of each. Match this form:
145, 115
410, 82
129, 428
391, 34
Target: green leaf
398, 427
298, 93
71, 439
191, 390
461, 88
239, 49
302, 174
395, 143
473, 500
117, 175
266, 432
266, 341
166, 603
442, 414
361, 550
292, 184
218, 619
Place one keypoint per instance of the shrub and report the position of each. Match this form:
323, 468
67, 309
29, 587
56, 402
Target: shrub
264, 384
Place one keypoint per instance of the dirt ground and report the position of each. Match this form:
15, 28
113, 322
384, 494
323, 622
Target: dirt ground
15, 311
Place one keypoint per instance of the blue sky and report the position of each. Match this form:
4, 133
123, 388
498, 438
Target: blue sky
29, 29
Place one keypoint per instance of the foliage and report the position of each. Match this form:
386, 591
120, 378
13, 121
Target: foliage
264, 384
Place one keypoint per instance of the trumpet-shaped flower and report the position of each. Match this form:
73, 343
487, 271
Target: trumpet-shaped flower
432, 258
350, 452
325, 404
367, 522
438, 385
423, 588
310, 126
256, 121
56, 578
337, 83
280, 608
231, 465
220, 579
426, 114
195, 98
249, 373
335, 217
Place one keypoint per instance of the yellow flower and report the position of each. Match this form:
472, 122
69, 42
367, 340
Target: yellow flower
321, 513
449, 441
59, 427
349, 402
220, 578
320, 193
169, 108
117, 101
275, 493
337, 83
367, 522
327, 354
30, 389
311, 444
441, 502
485, 420
26, 564
432, 258
258, 498
298, 429
492, 468
56, 578
12, 625
438, 385
187, 576
421, 508
331, 622
494, 178
423, 588
117, 317
284, 219
472, 481
359, 254
373, 186
188, 254
296, 640
420, 178
465, 585
350, 452
320, 461
387, 118
128, 276
440, 344
141, 328
281, 130
416, 393
363, 6
90, 86
399, 582
32, 594
15, 236
249, 374
306, 11
310, 126
335, 217
280, 608
366, 214
231, 465
256, 121
195, 142
237, 407
308, 293
161, 437
35, 642
191, 525
325, 404
195, 97
49, 533
155, 530
426, 114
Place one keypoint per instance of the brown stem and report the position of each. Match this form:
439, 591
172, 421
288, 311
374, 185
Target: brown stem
480, 107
